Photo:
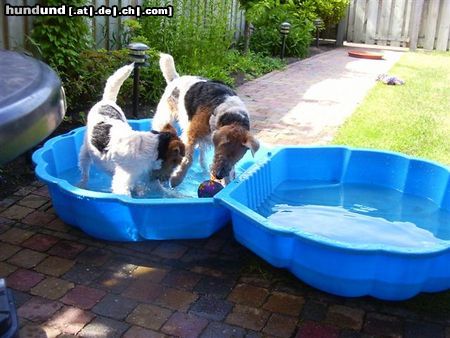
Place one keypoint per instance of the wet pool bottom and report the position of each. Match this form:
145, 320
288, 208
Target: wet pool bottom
359, 214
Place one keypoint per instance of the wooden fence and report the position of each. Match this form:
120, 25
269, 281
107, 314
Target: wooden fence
106, 31
405, 23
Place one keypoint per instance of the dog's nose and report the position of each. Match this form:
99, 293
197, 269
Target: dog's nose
221, 173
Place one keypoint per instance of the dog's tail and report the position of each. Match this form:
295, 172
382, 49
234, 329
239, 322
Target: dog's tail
115, 81
167, 66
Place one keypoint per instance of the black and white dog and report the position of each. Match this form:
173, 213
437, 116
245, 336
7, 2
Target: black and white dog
208, 112
127, 154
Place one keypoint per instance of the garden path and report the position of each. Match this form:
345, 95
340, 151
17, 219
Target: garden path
307, 102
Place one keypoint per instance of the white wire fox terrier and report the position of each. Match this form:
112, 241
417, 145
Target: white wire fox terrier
130, 156
209, 113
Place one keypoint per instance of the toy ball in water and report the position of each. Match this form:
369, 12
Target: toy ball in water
209, 188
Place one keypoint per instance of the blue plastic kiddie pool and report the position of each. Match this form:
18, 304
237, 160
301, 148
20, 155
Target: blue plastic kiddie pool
351, 222
104, 215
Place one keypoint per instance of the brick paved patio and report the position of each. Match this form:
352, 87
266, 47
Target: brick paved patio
68, 284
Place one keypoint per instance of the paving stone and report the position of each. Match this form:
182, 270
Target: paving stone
5, 223
58, 225
42, 191
184, 325
38, 309
314, 310
27, 258
353, 334
170, 250
115, 282
54, 266
33, 201
423, 330
149, 316
382, 325
143, 291
93, 256
114, 306
216, 287
211, 308
15, 235
6, 269
52, 288
248, 317
83, 297
181, 279
120, 264
24, 280
82, 274
16, 212
7, 202
104, 327
23, 191
248, 295
38, 331
284, 303
20, 297
176, 299
40, 242
38, 218
66, 249
345, 317
139, 332
256, 281
149, 273
7, 250
215, 330
280, 325
70, 320
310, 329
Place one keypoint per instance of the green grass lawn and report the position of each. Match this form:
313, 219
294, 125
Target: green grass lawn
413, 118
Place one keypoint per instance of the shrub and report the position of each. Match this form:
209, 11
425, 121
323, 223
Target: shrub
198, 35
330, 11
60, 40
267, 15
85, 88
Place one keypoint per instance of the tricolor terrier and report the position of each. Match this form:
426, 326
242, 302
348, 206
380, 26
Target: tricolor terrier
127, 154
208, 112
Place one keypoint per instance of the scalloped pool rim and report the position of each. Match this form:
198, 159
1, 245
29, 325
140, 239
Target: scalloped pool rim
225, 198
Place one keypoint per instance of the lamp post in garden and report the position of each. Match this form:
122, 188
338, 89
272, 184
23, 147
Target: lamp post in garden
285, 27
318, 23
138, 56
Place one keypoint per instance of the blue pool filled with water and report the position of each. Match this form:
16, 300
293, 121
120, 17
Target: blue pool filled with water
358, 214
351, 222
173, 214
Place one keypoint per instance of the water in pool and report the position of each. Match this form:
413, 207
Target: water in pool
357, 213
101, 181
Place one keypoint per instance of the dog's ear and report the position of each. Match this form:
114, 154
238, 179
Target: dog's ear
178, 149
168, 128
251, 143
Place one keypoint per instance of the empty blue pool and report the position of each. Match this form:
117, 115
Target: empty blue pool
104, 215
351, 222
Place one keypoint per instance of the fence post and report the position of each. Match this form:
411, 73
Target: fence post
342, 30
416, 15
444, 27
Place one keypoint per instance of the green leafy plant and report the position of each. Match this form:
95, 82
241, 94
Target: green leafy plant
330, 11
267, 15
60, 39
